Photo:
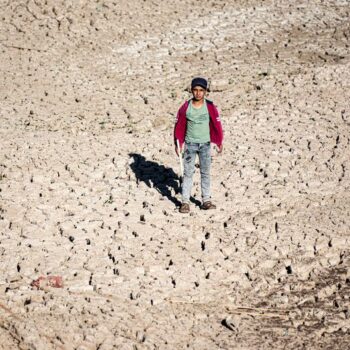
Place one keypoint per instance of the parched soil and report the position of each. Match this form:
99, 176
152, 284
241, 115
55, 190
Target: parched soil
90, 183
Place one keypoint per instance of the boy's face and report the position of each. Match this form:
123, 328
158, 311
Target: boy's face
198, 93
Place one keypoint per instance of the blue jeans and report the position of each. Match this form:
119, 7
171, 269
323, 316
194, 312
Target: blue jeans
189, 157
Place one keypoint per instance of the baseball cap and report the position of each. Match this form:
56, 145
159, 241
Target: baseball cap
199, 82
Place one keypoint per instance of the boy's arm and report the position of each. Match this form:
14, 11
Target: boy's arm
219, 137
219, 125
180, 128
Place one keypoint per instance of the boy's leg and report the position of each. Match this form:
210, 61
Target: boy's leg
189, 161
205, 162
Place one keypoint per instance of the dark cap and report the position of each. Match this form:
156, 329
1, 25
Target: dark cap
199, 82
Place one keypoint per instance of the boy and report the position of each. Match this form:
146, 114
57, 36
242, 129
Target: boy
197, 125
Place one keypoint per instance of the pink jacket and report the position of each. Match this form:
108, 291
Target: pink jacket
215, 127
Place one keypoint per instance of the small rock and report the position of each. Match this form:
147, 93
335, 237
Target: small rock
232, 322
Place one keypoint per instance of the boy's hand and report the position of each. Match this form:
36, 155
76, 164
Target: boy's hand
178, 151
220, 148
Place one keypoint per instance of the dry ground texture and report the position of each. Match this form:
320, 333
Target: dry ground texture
89, 178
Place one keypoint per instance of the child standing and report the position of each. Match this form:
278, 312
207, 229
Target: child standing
198, 124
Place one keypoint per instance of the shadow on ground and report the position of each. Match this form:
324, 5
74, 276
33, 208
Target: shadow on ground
157, 176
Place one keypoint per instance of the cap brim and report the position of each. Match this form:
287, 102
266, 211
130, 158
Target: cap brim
202, 86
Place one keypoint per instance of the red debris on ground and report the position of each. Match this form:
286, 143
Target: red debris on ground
48, 281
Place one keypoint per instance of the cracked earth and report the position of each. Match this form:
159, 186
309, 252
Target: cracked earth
89, 180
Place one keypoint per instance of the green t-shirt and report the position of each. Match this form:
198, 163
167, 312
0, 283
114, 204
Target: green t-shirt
197, 124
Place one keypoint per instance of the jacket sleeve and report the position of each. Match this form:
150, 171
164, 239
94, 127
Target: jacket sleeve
218, 134
180, 125
219, 127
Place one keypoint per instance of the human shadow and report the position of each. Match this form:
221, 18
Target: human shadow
158, 176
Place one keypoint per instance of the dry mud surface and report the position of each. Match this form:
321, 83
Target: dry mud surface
89, 179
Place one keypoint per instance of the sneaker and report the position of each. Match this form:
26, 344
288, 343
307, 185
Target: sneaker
208, 205
185, 208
